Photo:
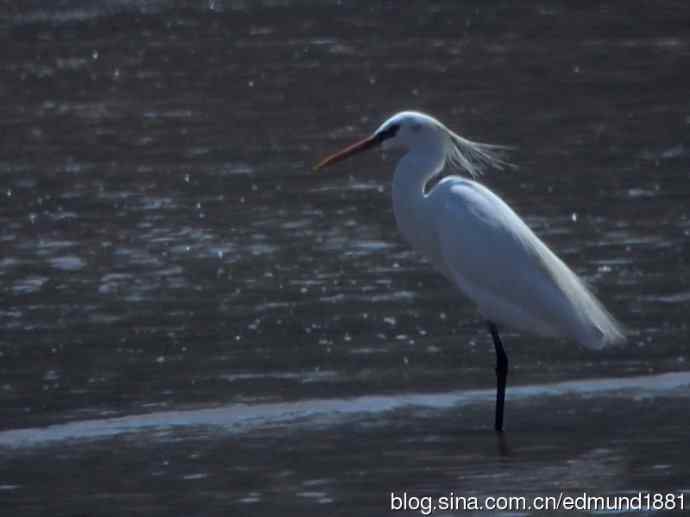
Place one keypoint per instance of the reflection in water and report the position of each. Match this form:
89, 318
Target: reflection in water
170, 265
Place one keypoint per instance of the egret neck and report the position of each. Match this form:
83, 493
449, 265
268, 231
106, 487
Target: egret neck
410, 202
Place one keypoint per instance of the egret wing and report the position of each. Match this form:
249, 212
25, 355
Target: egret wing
514, 278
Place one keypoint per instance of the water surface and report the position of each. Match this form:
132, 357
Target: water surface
192, 322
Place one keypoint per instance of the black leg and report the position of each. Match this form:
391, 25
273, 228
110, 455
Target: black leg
501, 375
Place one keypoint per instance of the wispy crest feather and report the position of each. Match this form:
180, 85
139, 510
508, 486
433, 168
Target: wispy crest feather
476, 157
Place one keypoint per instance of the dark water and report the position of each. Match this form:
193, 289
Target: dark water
192, 323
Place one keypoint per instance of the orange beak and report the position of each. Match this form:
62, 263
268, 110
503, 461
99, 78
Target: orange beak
355, 148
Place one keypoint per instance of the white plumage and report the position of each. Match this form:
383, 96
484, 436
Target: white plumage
479, 243
476, 240
512, 276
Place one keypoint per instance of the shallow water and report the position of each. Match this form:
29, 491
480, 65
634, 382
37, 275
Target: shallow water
194, 322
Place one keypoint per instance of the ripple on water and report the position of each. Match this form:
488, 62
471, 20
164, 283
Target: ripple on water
198, 475
681, 297
677, 151
262, 249
320, 497
67, 263
7, 263
251, 497
113, 281
372, 246
104, 319
269, 306
29, 285
640, 192
137, 257
158, 203
45, 247
303, 377
296, 224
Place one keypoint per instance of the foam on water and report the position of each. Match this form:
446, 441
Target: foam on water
244, 417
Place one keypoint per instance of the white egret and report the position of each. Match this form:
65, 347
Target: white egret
479, 243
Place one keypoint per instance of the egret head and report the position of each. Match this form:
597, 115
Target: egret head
410, 130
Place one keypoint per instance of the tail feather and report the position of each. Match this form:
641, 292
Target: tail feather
592, 325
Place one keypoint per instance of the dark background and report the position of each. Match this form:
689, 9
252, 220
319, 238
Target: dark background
165, 247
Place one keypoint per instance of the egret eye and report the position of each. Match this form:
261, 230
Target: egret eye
389, 132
